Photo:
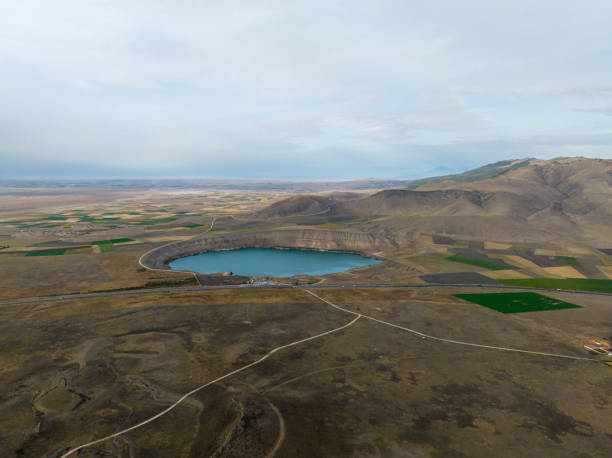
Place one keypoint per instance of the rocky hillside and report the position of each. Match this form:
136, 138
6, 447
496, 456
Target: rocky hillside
561, 198
292, 238
298, 205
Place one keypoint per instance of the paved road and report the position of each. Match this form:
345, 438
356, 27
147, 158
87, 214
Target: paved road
137, 292
461, 285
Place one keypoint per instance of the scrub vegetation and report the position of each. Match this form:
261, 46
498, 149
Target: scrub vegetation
82, 369
442, 381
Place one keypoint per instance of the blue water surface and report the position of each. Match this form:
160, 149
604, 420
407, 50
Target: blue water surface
271, 262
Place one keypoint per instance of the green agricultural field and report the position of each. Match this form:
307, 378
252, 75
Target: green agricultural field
568, 260
25, 226
330, 226
91, 219
106, 248
517, 302
476, 262
578, 284
46, 253
106, 242
193, 225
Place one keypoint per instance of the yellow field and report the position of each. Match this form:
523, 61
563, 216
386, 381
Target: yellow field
503, 274
583, 251
523, 263
425, 238
543, 252
564, 272
607, 270
168, 239
496, 246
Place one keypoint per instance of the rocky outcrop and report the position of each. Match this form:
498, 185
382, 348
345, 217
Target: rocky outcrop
291, 238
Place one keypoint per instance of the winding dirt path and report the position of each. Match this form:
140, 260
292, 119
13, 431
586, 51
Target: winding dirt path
281, 430
457, 342
297, 342
218, 379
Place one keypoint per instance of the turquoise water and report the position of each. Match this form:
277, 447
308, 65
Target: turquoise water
271, 262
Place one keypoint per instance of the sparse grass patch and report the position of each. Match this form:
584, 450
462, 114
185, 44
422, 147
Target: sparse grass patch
110, 241
79, 251
517, 302
106, 248
330, 226
578, 284
476, 262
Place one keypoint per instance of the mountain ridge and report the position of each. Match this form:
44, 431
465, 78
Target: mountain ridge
562, 197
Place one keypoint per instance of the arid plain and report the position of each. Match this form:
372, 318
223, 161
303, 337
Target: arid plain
387, 360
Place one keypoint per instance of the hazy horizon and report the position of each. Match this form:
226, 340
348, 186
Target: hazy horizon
299, 90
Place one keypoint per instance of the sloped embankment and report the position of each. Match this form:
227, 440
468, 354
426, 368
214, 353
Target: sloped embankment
290, 238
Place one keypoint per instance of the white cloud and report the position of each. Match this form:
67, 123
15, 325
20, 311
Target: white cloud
331, 89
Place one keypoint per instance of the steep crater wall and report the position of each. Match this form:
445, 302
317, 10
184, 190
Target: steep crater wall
159, 258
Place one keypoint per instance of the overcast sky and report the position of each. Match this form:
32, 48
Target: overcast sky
299, 90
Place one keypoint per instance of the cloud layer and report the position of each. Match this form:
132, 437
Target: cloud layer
299, 89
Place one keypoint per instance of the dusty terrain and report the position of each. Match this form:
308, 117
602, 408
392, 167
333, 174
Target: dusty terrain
77, 370
87, 368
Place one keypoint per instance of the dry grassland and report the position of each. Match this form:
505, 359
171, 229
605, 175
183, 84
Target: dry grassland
563, 272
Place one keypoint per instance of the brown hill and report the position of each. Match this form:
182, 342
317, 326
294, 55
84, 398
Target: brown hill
404, 202
298, 205
564, 198
447, 202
